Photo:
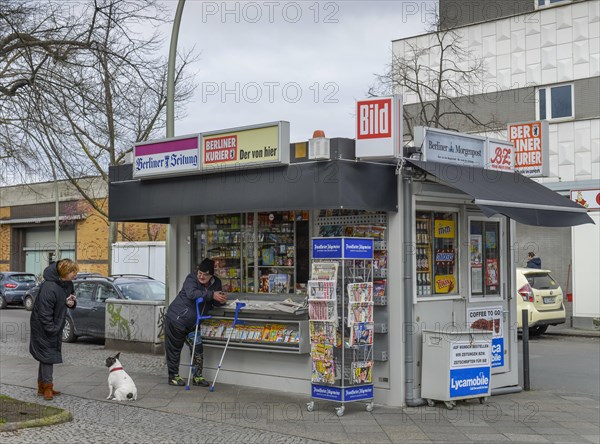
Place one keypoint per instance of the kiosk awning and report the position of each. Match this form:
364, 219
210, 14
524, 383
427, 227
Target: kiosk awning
313, 185
510, 194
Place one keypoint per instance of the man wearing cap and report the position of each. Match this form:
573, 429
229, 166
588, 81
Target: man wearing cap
181, 318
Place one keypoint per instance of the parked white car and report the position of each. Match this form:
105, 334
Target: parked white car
542, 297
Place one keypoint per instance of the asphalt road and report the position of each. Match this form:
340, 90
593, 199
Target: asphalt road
565, 363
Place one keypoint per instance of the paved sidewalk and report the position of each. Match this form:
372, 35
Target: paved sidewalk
237, 414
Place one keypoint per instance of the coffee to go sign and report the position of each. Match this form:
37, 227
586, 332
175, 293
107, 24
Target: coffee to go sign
379, 128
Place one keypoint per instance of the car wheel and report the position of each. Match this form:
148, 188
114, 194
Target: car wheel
68, 333
28, 303
540, 330
2, 303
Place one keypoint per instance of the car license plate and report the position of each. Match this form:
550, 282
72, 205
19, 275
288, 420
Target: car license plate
549, 300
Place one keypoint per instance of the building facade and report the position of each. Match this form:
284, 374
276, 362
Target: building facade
27, 227
541, 60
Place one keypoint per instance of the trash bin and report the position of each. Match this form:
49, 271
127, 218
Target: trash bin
456, 365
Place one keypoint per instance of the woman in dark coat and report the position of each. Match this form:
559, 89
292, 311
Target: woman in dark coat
48, 319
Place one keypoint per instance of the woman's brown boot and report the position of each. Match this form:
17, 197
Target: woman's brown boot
41, 389
48, 392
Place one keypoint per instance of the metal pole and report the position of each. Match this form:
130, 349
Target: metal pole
525, 319
56, 213
171, 70
171, 117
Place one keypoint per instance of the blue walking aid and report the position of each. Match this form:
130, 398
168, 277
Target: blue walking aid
238, 306
199, 318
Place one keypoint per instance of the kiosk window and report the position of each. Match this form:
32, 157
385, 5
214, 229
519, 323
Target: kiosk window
436, 240
255, 252
484, 258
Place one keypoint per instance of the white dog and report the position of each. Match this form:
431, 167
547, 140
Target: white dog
120, 381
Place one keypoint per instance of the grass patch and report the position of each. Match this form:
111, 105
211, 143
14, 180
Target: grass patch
16, 414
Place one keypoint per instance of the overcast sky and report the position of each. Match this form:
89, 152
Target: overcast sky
306, 62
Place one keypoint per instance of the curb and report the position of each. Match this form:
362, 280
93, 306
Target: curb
578, 334
58, 418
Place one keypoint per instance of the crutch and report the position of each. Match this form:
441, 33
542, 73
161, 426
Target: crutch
199, 318
238, 306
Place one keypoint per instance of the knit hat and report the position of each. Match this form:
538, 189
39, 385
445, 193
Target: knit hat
207, 266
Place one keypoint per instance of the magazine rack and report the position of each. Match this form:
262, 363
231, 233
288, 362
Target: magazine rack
340, 300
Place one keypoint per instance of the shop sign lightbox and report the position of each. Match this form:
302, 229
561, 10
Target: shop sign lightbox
451, 147
532, 149
499, 156
589, 198
252, 146
379, 127
342, 248
166, 157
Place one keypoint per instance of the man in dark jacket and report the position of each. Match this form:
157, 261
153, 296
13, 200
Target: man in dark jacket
533, 261
181, 317
48, 319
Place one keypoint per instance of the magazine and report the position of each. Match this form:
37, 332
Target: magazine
321, 290
360, 312
322, 332
323, 371
362, 372
324, 271
361, 333
279, 283
360, 292
379, 287
322, 352
323, 310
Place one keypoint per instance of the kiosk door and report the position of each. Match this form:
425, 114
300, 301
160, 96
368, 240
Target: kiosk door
488, 265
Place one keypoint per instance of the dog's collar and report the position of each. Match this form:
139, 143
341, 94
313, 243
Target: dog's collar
116, 368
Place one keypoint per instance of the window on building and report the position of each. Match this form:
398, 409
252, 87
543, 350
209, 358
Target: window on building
555, 102
550, 2
436, 243
484, 258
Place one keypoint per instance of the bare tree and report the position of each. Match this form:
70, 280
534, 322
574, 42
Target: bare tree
438, 74
82, 82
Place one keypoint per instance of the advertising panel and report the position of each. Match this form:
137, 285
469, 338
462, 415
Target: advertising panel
358, 393
499, 156
342, 248
489, 319
379, 127
325, 392
159, 158
589, 199
469, 368
532, 147
245, 147
450, 146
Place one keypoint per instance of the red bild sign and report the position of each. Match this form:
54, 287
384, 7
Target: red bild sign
374, 119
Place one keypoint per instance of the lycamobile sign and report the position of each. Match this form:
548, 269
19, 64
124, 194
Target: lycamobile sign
469, 381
